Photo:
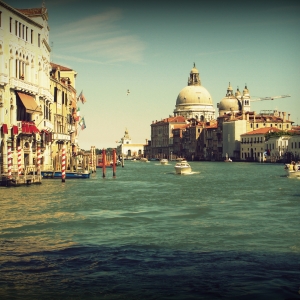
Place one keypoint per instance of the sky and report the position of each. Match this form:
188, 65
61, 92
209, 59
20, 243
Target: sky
150, 48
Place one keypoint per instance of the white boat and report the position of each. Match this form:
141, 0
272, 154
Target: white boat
164, 161
292, 170
144, 159
183, 167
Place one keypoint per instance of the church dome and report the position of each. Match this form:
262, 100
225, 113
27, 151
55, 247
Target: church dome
228, 104
194, 101
194, 94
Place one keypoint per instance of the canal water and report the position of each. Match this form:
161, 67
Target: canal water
225, 231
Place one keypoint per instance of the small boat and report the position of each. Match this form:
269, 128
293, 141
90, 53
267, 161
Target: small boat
69, 174
227, 159
164, 161
144, 159
292, 170
183, 167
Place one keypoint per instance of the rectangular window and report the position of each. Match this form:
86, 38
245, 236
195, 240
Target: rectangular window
0, 18
31, 36
20, 27
39, 40
55, 94
23, 32
26, 34
62, 97
16, 28
10, 25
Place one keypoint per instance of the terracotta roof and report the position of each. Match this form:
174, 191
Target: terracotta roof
62, 68
31, 12
171, 120
262, 131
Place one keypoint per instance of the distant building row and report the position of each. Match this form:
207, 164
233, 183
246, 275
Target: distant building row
194, 132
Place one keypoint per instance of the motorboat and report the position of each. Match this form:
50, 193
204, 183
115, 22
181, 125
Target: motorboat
292, 169
144, 159
81, 174
183, 167
164, 161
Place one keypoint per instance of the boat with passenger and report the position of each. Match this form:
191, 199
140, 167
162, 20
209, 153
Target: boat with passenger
293, 169
183, 167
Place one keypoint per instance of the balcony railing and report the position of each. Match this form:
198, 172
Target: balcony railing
24, 85
61, 137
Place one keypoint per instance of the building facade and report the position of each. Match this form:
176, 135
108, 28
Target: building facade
24, 83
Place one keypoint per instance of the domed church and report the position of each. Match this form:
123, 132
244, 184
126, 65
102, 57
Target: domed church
234, 103
194, 101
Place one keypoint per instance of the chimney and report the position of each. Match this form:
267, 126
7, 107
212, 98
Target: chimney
283, 116
279, 114
248, 117
254, 114
289, 117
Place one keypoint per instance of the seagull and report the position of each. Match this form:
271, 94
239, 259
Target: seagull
128, 92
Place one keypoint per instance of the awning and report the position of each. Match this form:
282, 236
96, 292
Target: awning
5, 129
29, 128
15, 130
29, 103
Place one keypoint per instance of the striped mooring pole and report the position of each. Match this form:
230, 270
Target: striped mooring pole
63, 165
19, 161
9, 160
39, 161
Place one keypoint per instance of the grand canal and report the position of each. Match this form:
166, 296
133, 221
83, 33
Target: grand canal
226, 231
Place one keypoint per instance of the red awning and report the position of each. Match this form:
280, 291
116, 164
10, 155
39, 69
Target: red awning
4, 129
15, 130
29, 128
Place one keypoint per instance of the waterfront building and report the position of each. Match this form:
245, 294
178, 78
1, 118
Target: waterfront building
194, 100
162, 136
294, 145
65, 119
255, 147
127, 149
24, 85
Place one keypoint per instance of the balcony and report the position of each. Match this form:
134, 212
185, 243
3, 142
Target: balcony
61, 137
24, 86
44, 93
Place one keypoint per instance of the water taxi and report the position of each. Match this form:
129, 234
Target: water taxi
164, 161
183, 167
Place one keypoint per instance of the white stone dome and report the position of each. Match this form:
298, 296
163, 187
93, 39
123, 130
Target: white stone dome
194, 94
228, 104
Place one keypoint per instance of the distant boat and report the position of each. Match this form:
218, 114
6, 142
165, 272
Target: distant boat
228, 159
183, 167
144, 159
164, 161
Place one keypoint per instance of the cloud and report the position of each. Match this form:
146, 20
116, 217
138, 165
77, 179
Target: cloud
98, 36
